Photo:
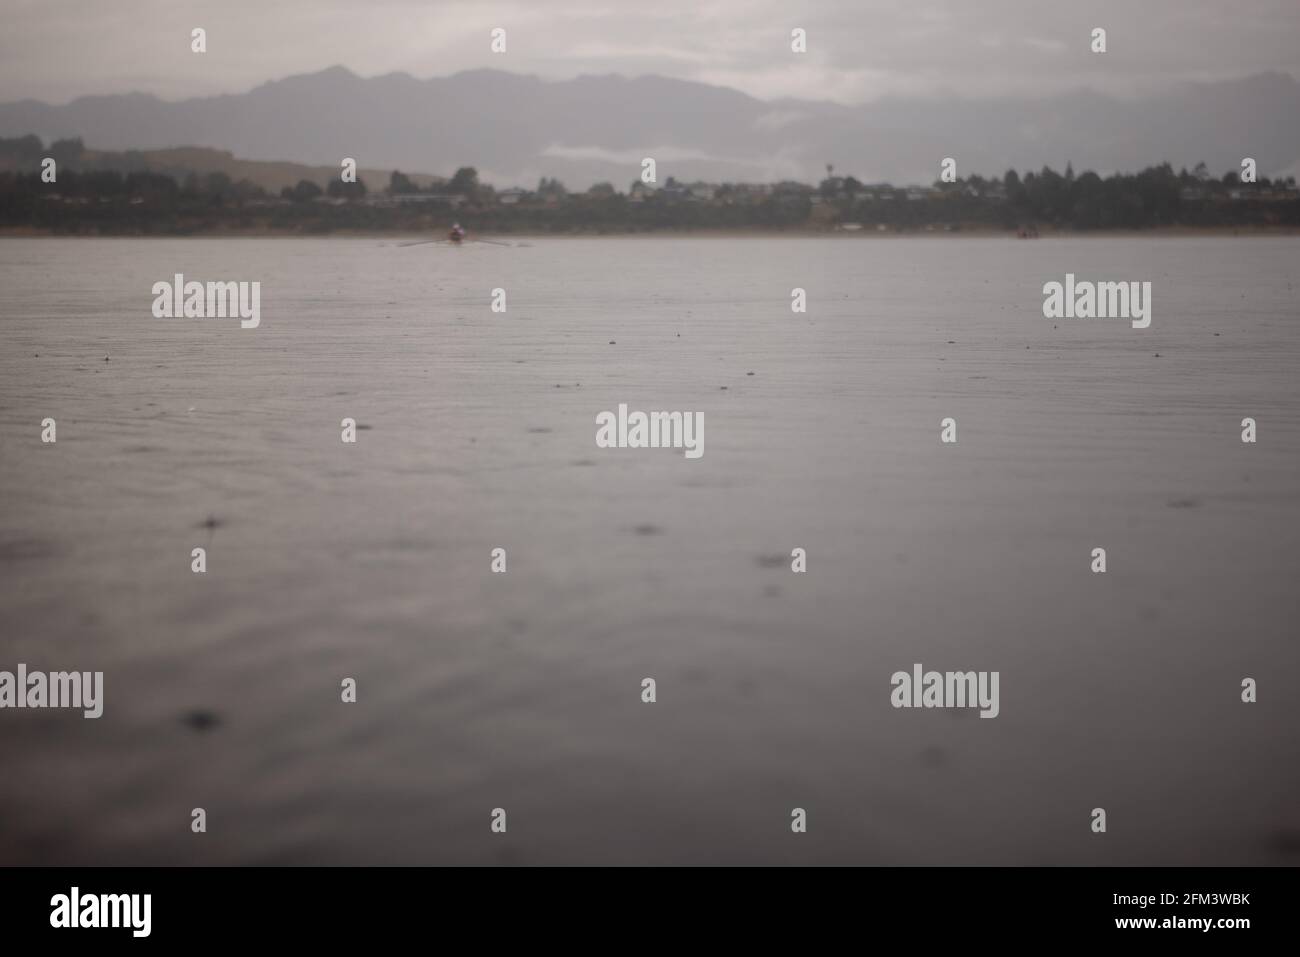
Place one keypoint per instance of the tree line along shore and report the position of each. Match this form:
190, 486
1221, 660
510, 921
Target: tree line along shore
66, 189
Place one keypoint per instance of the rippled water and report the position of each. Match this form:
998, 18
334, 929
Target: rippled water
522, 690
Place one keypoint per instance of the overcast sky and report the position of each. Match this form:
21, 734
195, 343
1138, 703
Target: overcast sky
859, 50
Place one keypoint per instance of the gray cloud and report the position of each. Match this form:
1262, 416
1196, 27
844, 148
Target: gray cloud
859, 50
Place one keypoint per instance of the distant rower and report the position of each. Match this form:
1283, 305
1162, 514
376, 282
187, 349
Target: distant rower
457, 233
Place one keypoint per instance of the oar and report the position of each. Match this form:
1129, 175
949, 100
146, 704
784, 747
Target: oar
423, 242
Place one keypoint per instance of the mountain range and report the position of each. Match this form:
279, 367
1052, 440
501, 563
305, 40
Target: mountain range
515, 129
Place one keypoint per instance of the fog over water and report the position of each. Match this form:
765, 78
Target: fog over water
522, 691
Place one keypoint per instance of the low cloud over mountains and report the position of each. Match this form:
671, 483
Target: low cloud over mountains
515, 129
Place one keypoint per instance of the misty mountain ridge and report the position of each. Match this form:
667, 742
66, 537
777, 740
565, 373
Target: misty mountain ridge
517, 128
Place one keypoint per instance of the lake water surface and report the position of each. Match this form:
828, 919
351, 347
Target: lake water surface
523, 691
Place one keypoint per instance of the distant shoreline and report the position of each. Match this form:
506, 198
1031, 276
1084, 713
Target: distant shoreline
1164, 232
